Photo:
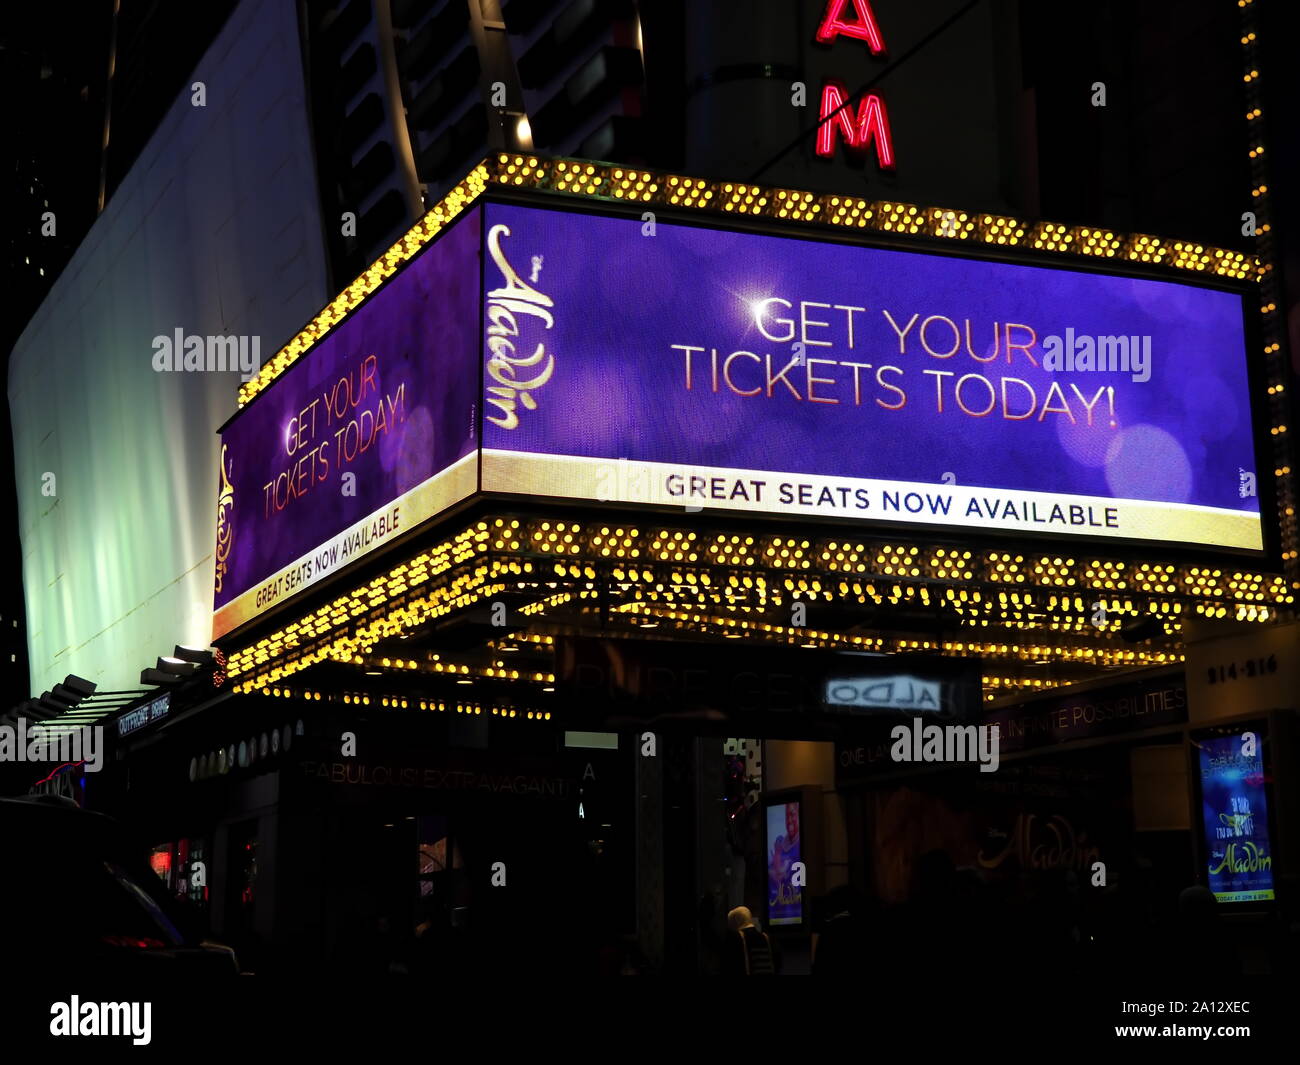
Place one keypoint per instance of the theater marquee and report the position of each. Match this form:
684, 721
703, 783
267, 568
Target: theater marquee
738, 371
356, 445
543, 352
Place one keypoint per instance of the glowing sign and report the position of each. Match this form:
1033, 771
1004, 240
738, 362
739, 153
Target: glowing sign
136, 719
835, 23
357, 445
765, 374
901, 692
870, 126
1234, 818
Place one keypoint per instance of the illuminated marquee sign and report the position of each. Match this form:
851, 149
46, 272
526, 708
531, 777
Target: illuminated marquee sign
736, 371
356, 445
532, 351
869, 125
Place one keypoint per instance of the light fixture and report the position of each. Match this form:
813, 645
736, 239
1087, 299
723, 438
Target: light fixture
48, 701
65, 694
523, 132
198, 655
158, 678
80, 685
177, 666
1137, 629
32, 708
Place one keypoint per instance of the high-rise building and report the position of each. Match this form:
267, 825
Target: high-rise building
406, 94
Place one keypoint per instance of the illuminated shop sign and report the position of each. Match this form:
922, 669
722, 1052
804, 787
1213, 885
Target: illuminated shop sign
738, 371
134, 720
898, 692
634, 679
1234, 817
357, 444
1140, 703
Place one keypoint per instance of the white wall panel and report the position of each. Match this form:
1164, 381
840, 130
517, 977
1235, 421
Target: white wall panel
215, 230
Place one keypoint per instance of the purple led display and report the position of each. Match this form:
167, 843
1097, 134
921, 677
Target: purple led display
731, 370
369, 434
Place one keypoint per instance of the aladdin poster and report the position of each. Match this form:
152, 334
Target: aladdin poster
1235, 818
784, 887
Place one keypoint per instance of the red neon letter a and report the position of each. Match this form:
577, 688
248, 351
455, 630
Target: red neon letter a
872, 125
864, 28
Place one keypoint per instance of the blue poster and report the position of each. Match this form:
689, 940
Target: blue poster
785, 886
1235, 818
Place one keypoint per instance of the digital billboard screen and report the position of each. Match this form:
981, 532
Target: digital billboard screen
366, 436
646, 362
784, 886
1234, 818
561, 354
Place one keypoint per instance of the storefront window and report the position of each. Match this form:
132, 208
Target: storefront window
436, 853
192, 871
248, 892
244, 846
183, 867
160, 861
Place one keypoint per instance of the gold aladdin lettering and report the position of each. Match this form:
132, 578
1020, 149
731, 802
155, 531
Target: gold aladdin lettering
515, 298
1063, 850
1255, 860
225, 522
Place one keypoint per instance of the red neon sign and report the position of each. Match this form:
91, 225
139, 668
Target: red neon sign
864, 28
871, 126
871, 123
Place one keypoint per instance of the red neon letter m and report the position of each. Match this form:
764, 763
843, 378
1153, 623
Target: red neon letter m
833, 24
871, 126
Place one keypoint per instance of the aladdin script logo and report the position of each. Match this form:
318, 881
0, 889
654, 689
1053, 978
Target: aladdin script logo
1250, 860
225, 521
787, 895
505, 307
1058, 847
